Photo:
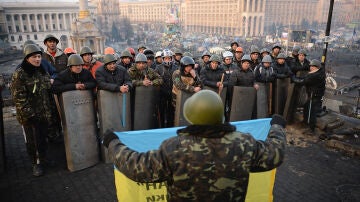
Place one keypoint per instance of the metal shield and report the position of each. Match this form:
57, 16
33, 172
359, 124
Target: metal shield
262, 100
181, 97
280, 95
216, 90
145, 102
114, 113
80, 129
242, 104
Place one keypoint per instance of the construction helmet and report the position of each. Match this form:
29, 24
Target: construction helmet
140, 57
158, 54
131, 51
267, 58
86, 50
246, 58
239, 49
109, 50
228, 54
204, 108
109, 58
315, 63
51, 37
215, 58
125, 53
69, 50
75, 59
31, 49
167, 53
281, 56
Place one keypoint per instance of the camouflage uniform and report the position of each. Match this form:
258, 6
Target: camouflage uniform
31, 92
203, 163
138, 76
184, 82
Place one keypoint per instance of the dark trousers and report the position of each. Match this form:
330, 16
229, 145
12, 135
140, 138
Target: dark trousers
310, 113
35, 140
167, 112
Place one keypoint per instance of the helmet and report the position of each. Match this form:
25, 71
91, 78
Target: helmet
149, 53
188, 54
125, 53
215, 58
75, 59
50, 36
158, 54
31, 49
131, 51
205, 53
302, 51
227, 54
109, 58
281, 56
186, 60
177, 51
141, 47
296, 49
109, 50
86, 50
239, 49
233, 43
276, 46
267, 58
140, 57
204, 108
69, 50
264, 50
246, 58
167, 53
27, 42
315, 63
254, 49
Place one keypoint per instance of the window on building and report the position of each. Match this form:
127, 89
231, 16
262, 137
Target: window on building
46, 27
40, 28
33, 28
54, 26
8, 17
25, 28
35, 37
23, 17
27, 37
17, 28
52, 17
9, 28
15, 17
38, 17
60, 26
31, 17
12, 38
20, 38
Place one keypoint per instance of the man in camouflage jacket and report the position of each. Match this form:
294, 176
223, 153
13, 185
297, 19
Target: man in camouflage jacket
207, 161
31, 92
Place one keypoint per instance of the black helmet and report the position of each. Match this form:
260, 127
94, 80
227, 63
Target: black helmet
50, 36
149, 53
204, 108
234, 42
75, 59
186, 60
315, 63
31, 49
109, 58
86, 50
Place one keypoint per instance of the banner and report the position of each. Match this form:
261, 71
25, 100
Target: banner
260, 184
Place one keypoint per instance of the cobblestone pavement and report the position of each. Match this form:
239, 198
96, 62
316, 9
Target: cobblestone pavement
310, 173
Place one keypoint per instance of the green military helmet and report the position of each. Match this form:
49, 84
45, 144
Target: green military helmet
140, 58
215, 58
109, 58
206, 53
302, 51
31, 49
267, 58
75, 59
264, 50
125, 54
86, 50
296, 49
204, 108
50, 36
27, 42
281, 56
188, 54
177, 51
315, 63
254, 49
246, 57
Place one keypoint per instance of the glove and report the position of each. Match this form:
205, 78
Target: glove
278, 119
109, 135
32, 120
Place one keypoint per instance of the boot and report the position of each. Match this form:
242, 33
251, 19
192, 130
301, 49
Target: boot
37, 170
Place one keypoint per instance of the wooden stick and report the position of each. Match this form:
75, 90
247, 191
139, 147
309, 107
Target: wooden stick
221, 81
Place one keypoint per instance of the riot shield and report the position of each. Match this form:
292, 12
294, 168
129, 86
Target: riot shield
262, 100
145, 102
181, 97
114, 113
216, 90
80, 130
280, 95
242, 104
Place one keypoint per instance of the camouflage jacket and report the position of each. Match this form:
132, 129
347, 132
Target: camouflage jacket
185, 83
31, 92
203, 163
138, 76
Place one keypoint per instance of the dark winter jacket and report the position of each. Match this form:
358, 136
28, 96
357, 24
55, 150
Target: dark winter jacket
67, 80
112, 80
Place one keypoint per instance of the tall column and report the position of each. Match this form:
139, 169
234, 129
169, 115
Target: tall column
247, 5
43, 22
13, 30
65, 22
36, 23
21, 23
28, 22
51, 22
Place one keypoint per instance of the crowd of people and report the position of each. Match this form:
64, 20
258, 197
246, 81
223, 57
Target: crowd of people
52, 71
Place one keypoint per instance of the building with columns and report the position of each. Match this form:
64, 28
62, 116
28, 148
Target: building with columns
21, 21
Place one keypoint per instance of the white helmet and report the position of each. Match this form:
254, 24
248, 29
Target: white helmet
158, 54
228, 54
167, 53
